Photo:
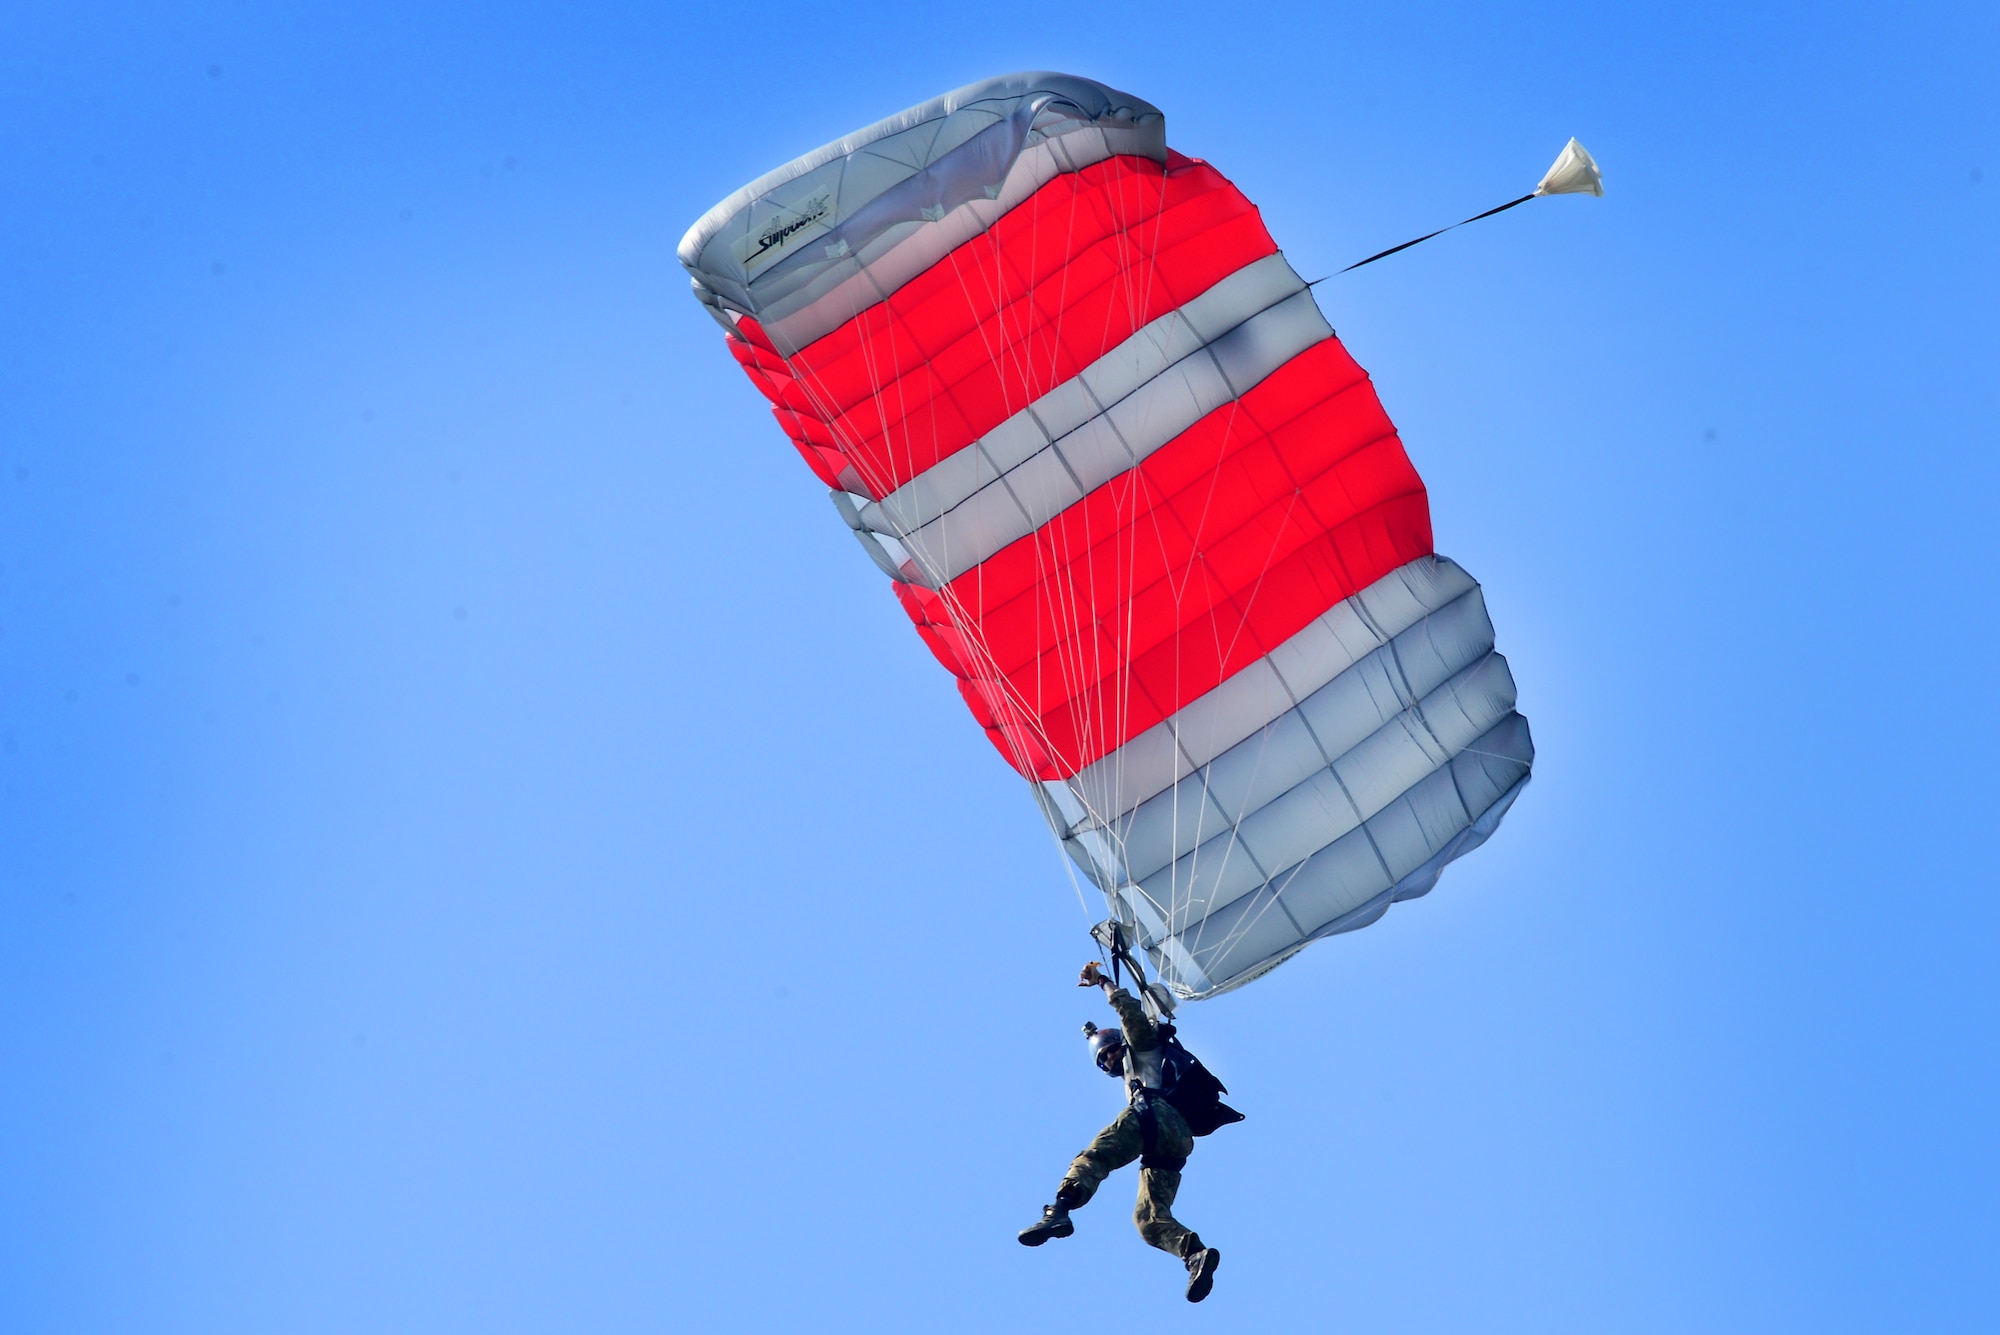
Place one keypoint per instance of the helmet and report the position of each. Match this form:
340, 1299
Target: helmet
1103, 1041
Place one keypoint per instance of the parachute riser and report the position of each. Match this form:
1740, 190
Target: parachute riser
1110, 934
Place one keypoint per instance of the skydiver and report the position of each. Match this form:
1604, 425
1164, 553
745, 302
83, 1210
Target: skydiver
1150, 1130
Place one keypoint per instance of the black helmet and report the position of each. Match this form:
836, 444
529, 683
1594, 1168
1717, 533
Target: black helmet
1103, 1042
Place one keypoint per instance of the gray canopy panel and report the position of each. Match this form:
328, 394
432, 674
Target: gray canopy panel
805, 247
1310, 791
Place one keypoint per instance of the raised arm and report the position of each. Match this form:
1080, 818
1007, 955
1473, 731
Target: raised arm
1140, 1036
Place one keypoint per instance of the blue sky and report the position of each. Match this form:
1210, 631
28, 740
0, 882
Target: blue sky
481, 851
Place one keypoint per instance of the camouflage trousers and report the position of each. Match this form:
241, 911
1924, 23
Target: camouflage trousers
1119, 1144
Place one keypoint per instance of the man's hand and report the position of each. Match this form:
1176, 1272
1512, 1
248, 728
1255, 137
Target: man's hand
1092, 976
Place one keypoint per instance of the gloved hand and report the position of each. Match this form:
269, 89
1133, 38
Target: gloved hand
1092, 976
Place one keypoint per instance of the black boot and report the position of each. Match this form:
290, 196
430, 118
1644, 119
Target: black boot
1054, 1223
1201, 1272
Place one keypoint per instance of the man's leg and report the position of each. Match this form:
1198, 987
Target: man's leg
1159, 1183
1155, 1214
1116, 1145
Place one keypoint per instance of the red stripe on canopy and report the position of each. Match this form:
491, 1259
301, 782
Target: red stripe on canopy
1054, 284
1172, 577
1161, 584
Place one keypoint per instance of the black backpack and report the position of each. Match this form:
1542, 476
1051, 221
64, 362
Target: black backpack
1191, 1087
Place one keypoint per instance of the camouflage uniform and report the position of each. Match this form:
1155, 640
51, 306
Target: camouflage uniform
1126, 1139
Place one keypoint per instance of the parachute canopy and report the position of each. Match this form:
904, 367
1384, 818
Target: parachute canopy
1136, 497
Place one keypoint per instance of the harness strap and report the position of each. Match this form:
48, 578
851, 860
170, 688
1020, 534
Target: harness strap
1149, 1121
